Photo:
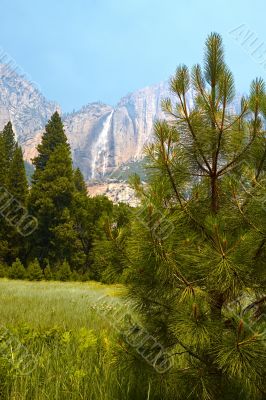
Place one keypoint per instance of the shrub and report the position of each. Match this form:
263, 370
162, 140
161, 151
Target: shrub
64, 272
34, 272
75, 276
3, 271
48, 275
17, 270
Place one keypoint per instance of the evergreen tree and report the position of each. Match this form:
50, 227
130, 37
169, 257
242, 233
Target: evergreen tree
111, 236
7, 150
48, 273
17, 270
52, 200
53, 136
3, 172
16, 180
79, 182
197, 251
17, 185
64, 272
34, 271
12, 179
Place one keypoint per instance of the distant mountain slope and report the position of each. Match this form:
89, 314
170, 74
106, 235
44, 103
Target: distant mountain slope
102, 137
25, 106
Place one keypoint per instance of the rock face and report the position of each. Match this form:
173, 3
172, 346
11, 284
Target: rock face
25, 106
117, 192
104, 137
101, 137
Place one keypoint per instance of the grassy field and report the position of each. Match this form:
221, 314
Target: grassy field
55, 343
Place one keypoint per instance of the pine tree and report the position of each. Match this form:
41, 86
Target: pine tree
53, 136
17, 186
7, 150
197, 251
52, 200
79, 182
64, 272
12, 179
17, 270
112, 232
34, 271
17, 181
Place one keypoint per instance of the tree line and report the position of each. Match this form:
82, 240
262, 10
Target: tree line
72, 229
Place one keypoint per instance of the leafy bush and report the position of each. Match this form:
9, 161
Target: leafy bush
17, 270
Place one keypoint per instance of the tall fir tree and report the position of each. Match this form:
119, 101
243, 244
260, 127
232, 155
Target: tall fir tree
7, 149
51, 200
13, 179
53, 136
197, 251
79, 182
17, 183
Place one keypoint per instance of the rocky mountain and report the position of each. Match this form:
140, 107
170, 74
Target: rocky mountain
23, 104
102, 137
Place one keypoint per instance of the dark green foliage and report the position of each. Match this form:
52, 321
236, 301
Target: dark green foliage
64, 272
110, 243
34, 271
53, 136
52, 200
48, 275
79, 182
3, 271
7, 149
13, 180
17, 270
29, 171
197, 248
17, 181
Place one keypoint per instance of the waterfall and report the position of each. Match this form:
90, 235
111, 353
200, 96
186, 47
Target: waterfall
100, 148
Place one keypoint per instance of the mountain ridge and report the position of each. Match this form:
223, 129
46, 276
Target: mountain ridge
101, 136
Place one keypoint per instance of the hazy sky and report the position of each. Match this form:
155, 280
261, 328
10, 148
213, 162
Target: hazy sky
80, 51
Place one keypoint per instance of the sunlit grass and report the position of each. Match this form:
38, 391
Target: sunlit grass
75, 347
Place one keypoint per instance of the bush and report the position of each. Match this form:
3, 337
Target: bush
48, 275
34, 272
85, 277
75, 276
17, 270
64, 272
3, 271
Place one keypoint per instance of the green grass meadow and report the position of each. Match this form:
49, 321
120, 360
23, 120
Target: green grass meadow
55, 344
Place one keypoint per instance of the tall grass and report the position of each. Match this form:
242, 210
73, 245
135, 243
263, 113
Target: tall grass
74, 348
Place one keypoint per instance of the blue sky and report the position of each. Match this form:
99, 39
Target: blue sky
83, 51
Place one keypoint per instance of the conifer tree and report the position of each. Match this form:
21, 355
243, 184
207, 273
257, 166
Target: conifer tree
7, 150
17, 270
53, 136
13, 179
9, 141
198, 250
79, 182
17, 183
52, 200
34, 271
